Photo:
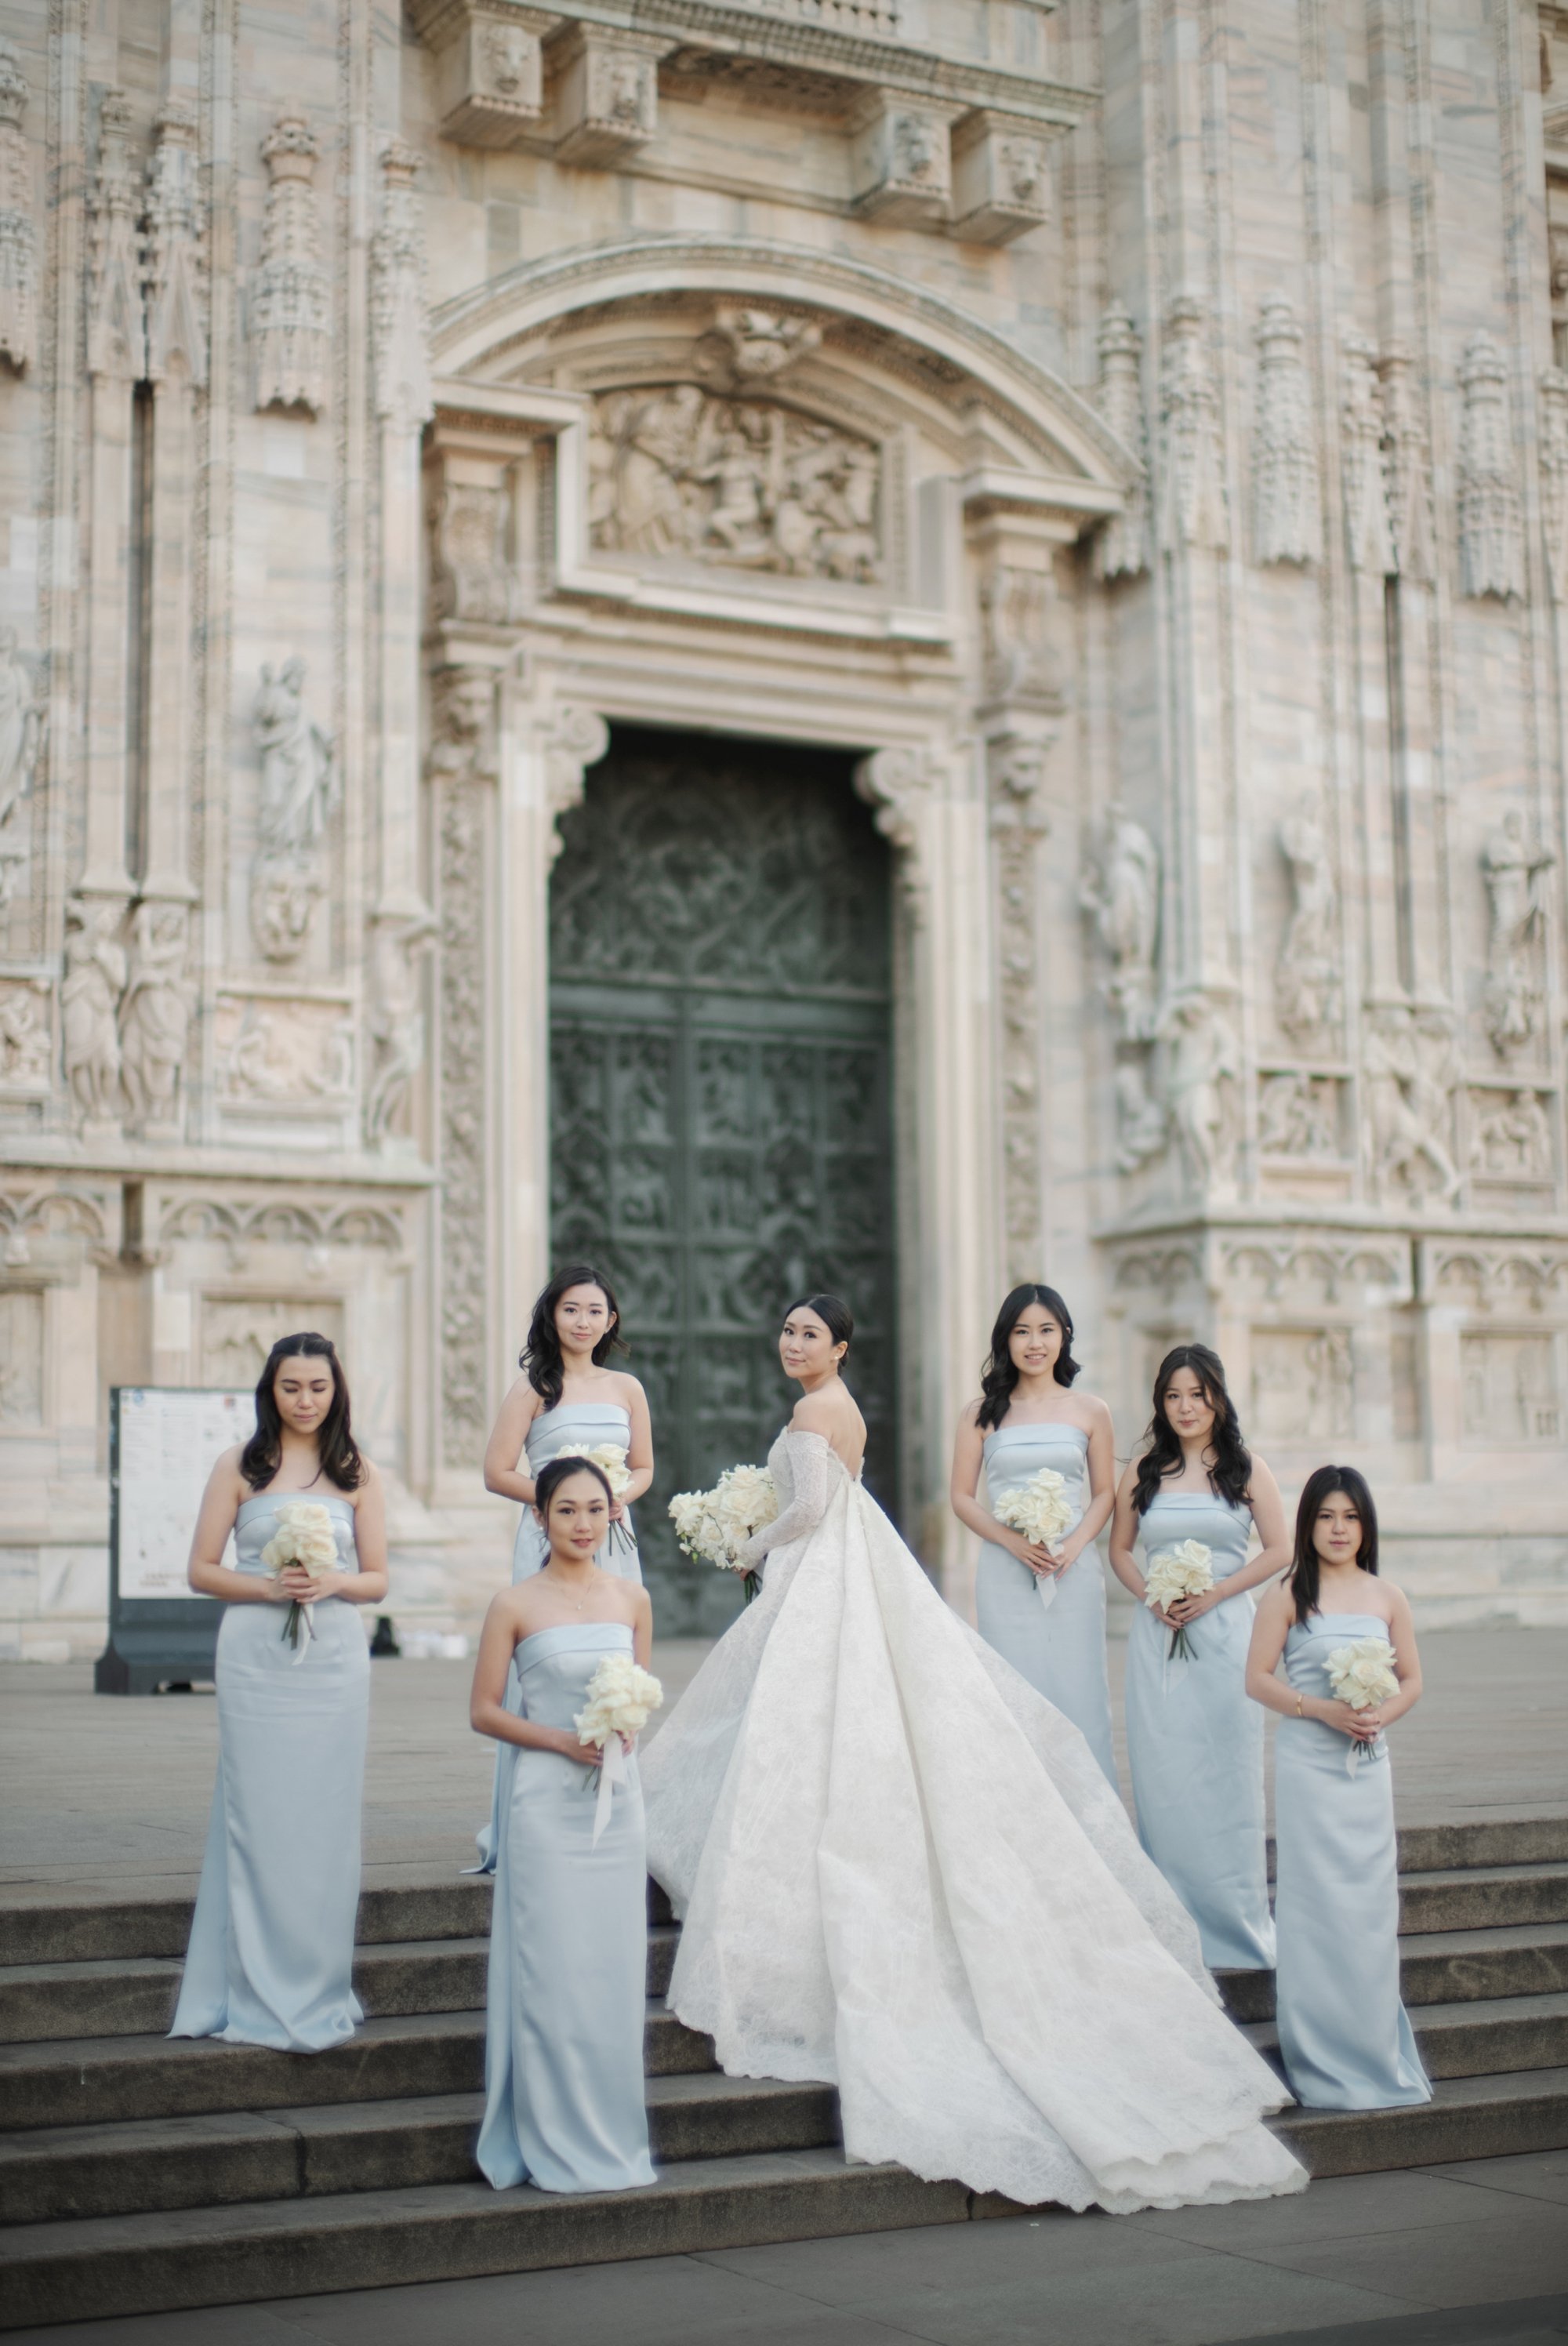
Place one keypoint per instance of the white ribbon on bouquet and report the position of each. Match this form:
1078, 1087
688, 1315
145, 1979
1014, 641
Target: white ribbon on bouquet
612, 1771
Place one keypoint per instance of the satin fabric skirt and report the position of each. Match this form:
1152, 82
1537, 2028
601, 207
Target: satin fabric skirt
1059, 1648
270, 1959
1195, 1745
1344, 2034
566, 1993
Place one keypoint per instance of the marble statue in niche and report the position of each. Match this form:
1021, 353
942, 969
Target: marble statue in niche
1307, 975
154, 1014
89, 1002
299, 794
1408, 1069
1515, 1140
1514, 868
26, 1045
1201, 1061
1120, 892
23, 718
741, 482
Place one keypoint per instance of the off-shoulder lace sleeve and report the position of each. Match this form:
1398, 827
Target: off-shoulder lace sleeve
808, 1456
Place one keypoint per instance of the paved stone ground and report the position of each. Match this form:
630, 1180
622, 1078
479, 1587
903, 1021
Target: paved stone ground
105, 1791
1443, 2255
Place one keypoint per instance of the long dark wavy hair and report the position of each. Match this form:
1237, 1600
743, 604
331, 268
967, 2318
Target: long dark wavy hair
335, 1446
999, 1377
540, 1358
555, 1472
834, 1313
1232, 1468
1307, 1564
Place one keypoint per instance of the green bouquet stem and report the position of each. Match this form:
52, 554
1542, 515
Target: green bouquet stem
752, 1584
1182, 1644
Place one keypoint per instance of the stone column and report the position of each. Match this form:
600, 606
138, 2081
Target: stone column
117, 359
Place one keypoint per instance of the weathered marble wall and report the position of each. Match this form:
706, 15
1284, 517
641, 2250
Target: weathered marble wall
1130, 427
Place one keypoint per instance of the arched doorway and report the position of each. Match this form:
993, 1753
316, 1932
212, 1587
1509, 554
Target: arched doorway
720, 1092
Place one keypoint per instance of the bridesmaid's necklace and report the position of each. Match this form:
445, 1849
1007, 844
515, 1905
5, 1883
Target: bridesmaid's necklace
561, 1584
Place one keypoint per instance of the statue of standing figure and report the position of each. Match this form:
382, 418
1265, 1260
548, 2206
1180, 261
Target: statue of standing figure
154, 1014
89, 999
1514, 870
22, 720
1121, 892
299, 794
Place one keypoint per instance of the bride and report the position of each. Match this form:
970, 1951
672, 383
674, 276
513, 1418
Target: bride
902, 1873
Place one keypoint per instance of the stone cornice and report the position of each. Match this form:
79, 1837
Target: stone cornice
1287, 1215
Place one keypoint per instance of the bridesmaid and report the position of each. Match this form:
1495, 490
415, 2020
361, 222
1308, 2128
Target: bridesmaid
1193, 1741
1042, 1607
272, 1951
566, 2003
567, 1398
1344, 2034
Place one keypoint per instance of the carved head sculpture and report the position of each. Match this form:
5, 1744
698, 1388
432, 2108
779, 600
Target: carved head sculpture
283, 897
623, 85
507, 54
1022, 169
916, 146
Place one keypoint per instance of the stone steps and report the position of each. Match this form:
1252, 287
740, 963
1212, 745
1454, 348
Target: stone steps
1442, 1967
1499, 2035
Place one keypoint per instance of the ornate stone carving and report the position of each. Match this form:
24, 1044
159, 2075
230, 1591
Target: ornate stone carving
1017, 604
1120, 892
1491, 532
1553, 459
1368, 530
24, 717
1307, 975
399, 943
89, 1002
897, 785
1407, 465
299, 794
1141, 1123
291, 298
398, 335
462, 763
1303, 1384
239, 1331
155, 1014
1193, 509
1122, 546
1299, 1115
1511, 1136
1015, 765
116, 322
752, 346
741, 482
576, 739
1201, 1065
1514, 870
1286, 521
174, 251
278, 1053
26, 1039
903, 159
1407, 1073
1510, 1385
489, 69
606, 92
18, 233
1001, 178
471, 573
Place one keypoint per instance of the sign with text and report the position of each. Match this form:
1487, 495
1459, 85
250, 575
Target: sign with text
169, 1439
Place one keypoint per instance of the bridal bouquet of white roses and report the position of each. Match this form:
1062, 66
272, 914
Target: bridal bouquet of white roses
715, 1525
305, 1538
1042, 1510
622, 1698
610, 1458
1362, 1674
1184, 1570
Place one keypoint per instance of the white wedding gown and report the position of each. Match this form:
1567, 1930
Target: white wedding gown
902, 1873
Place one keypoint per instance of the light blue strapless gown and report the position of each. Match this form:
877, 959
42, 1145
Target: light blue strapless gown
1060, 1649
1344, 2034
1195, 1743
570, 1425
567, 1998
271, 1952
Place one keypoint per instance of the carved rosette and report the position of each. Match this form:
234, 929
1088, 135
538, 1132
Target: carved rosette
290, 304
1014, 770
1287, 521
1491, 528
175, 252
19, 231
462, 765
116, 324
1193, 508
1121, 547
1369, 527
398, 335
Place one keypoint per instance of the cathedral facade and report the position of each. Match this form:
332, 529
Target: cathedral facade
894, 644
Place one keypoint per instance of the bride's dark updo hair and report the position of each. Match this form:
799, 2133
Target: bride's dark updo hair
999, 1377
832, 1311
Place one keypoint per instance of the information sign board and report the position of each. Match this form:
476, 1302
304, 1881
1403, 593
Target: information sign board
164, 1442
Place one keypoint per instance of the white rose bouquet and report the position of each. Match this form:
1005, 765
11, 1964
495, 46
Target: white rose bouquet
1184, 1570
306, 1539
622, 1698
610, 1458
716, 1524
1363, 1675
1042, 1510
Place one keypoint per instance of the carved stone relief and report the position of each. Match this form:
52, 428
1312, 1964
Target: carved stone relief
1286, 523
21, 1356
1510, 1386
291, 298
299, 794
1303, 1384
274, 1053
606, 92
89, 1005
1406, 467
576, 738
1408, 1069
1120, 892
897, 784
1001, 178
745, 483
1514, 868
1299, 1115
904, 160
19, 231
1307, 975
399, 334
471, 573
117, 323
1201, 1064
1015, 766
239, 1331
1017, 604
26, 1035
155, 1014
1142, 1122
1511, 1136
175, 250
24, 717
1122, 546
462, 765
1491, 528
1193, 509
752, 346
1369, 529
398, 948
1553, 461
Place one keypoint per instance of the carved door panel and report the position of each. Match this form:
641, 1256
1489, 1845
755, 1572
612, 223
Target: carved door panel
720, 1094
